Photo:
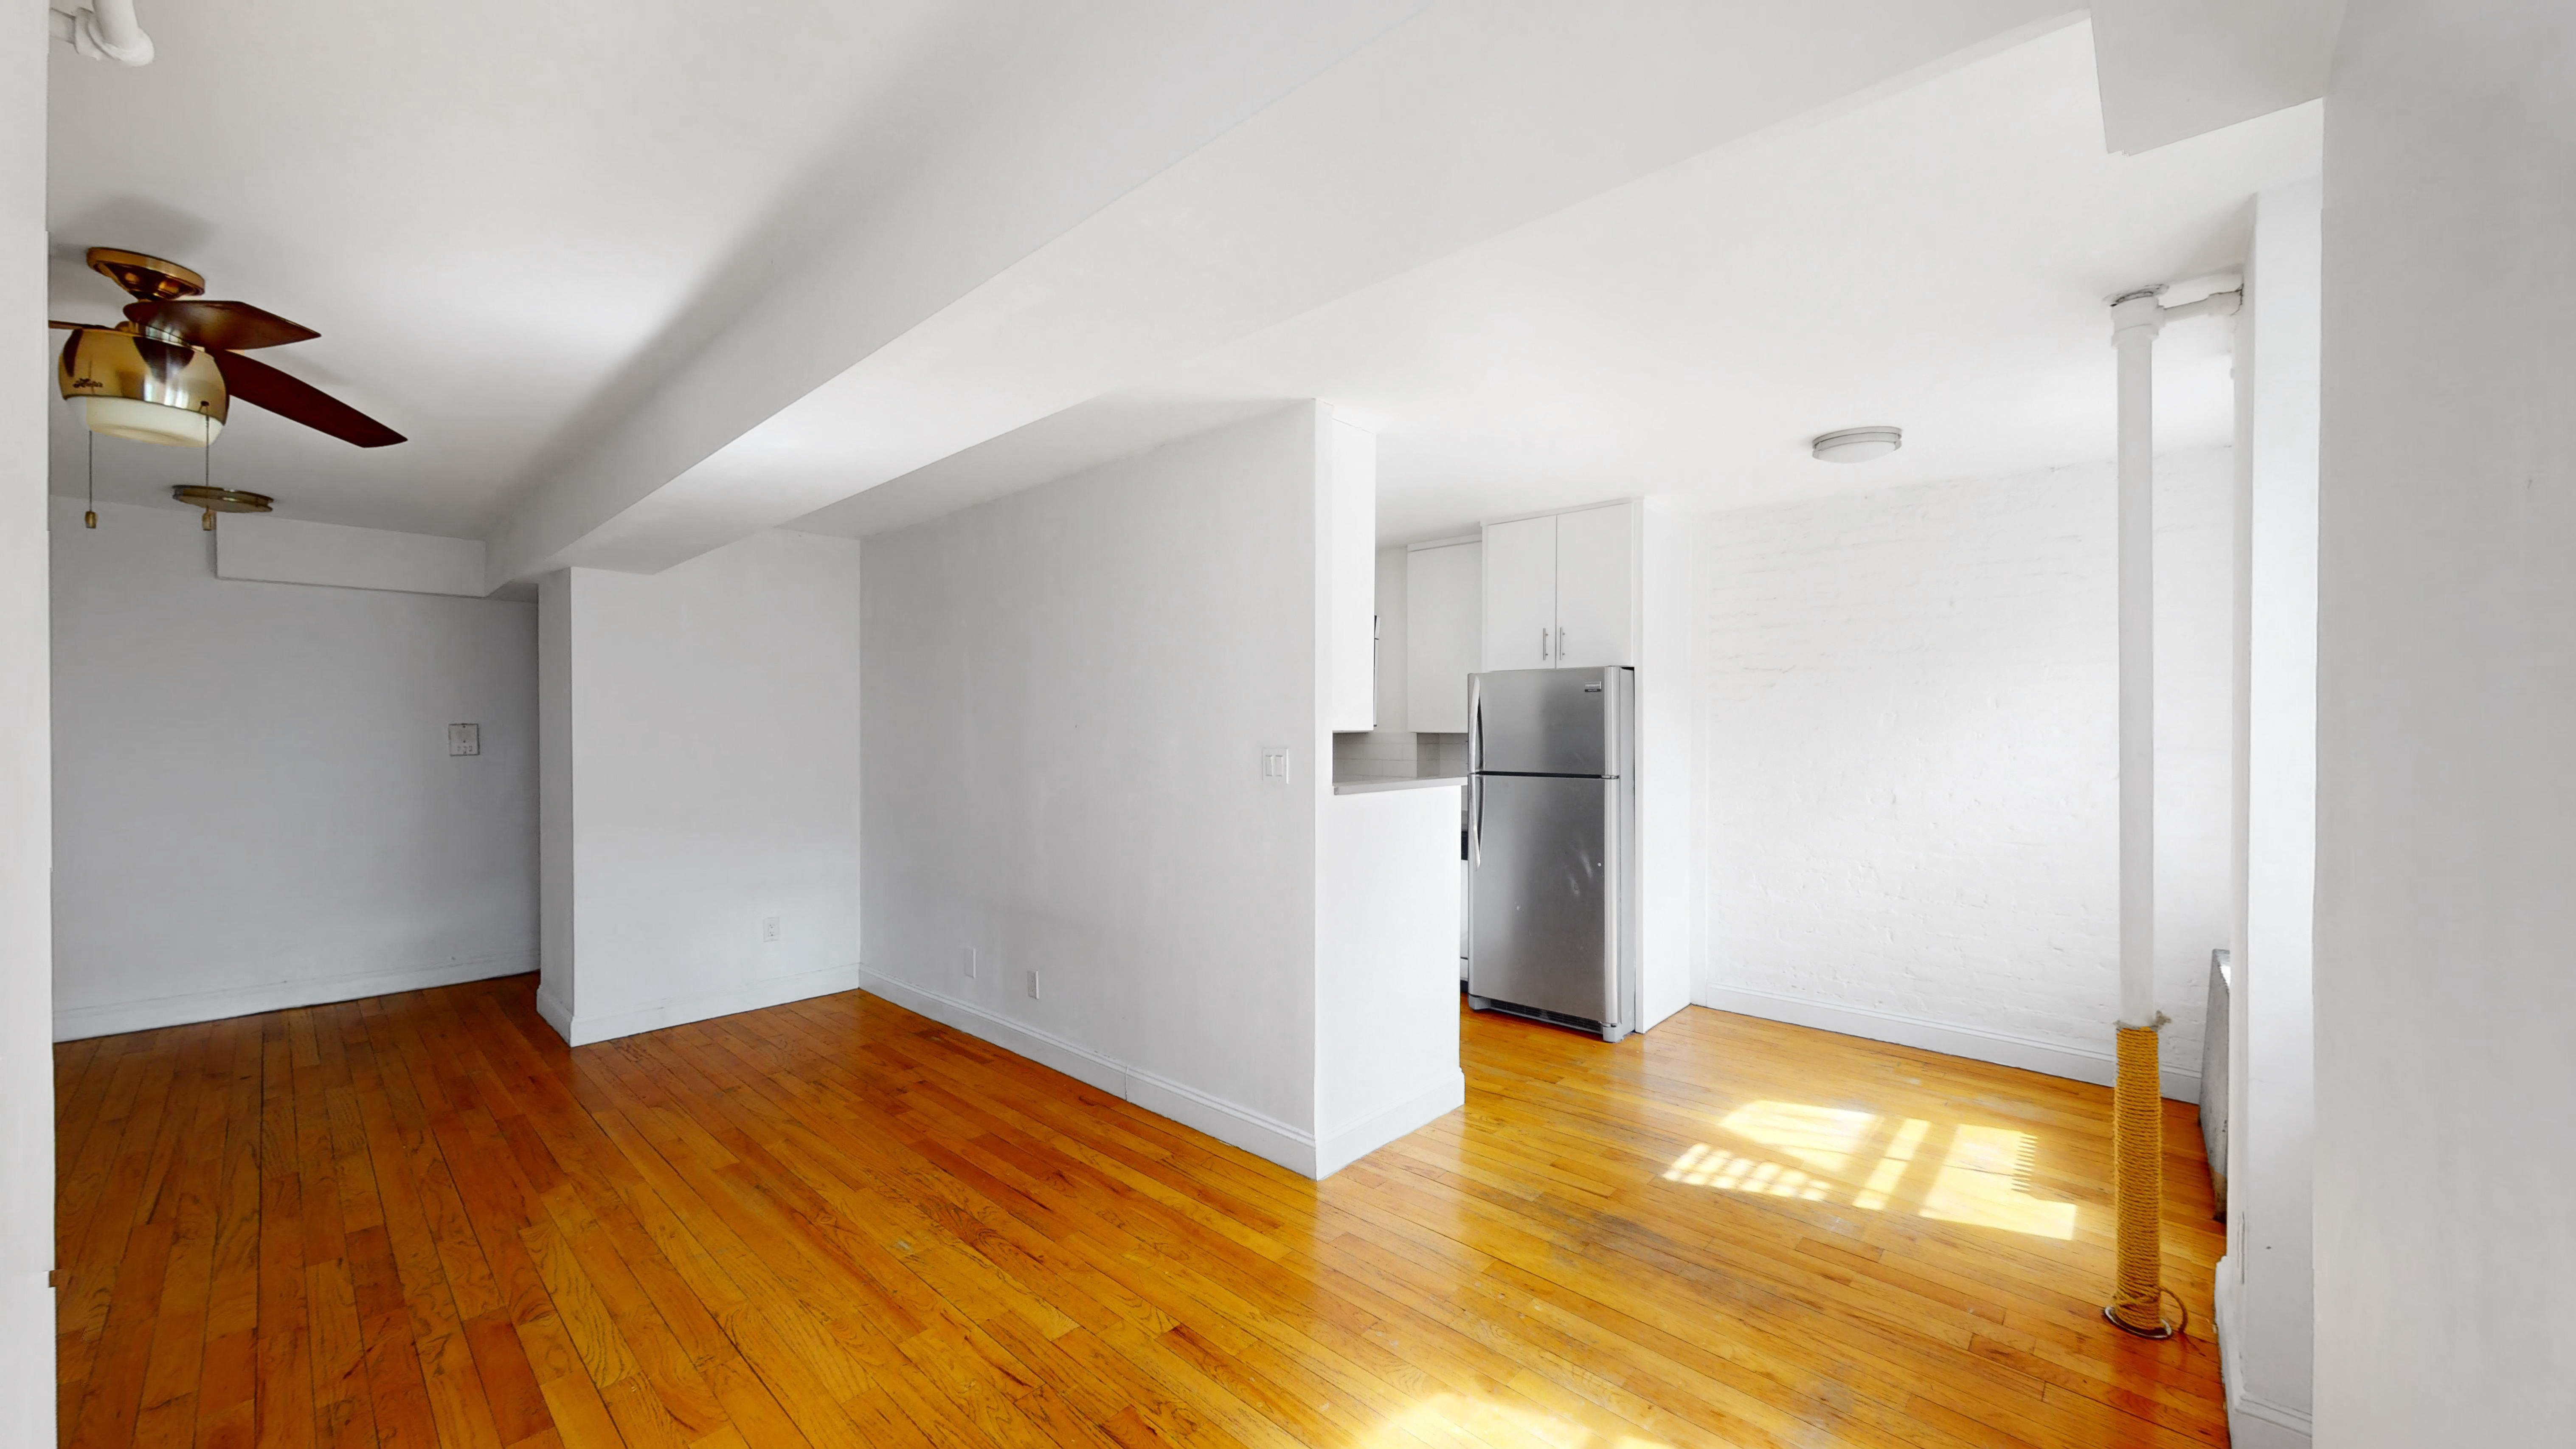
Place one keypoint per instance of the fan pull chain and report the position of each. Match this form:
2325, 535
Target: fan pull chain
91, 518
209, 450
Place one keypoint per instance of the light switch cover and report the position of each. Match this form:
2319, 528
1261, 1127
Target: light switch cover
465, 739
1274, 764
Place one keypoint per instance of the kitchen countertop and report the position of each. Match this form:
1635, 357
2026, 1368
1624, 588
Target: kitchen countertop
1371, 787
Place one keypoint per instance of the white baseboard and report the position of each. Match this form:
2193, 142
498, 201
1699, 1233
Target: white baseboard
1258, 1133
1255, 1132
578, 1029
2003, 1049
1343, 1146
2253, 1422
555, 1012
73, 1023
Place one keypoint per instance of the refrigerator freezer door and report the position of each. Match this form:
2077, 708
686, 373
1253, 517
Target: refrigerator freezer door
1544, 722
1542, 932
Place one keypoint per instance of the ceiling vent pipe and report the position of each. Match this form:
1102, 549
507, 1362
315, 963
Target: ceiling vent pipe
104, 30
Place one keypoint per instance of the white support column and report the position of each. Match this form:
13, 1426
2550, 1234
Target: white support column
2135, 320
2137, 1128
26, 760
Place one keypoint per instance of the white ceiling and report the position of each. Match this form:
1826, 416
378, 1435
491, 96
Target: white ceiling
496, 213
1937, 258
636, 278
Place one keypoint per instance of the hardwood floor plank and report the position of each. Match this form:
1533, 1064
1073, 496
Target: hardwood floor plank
420, 1220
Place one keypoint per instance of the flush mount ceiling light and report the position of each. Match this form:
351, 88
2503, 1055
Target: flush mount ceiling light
1856, 445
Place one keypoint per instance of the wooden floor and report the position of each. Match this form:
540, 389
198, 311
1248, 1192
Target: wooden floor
420, 1220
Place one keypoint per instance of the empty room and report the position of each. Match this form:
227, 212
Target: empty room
1378, 723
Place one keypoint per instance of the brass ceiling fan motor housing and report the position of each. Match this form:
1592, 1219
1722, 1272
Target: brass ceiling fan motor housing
101, 363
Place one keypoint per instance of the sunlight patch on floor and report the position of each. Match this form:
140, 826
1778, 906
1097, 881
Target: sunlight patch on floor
1442, 1418
1979, 1176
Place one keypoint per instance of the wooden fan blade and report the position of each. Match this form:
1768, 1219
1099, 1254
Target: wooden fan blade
293, 398
232, 326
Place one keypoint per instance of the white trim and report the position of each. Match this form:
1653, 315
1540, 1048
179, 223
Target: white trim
1343, 1146
73, 1023
2255, 1423
1558, 512
681, 1010
1450, 542
2056, 1059
557, 1014
1255, 1132
2252, 1422
1080, 1063
1232, 1123
1258, 1133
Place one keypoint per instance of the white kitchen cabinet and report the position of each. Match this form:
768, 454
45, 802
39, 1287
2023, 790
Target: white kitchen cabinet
1596, 571
1560, 590
1443, 618
1520, 594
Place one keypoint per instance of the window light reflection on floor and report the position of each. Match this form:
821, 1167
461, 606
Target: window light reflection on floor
1443, 1418
1979, 1176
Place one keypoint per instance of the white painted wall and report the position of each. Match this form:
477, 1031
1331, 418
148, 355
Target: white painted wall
2265, 1306
1668, 771
254, 803
1386, 969
1907, 712
707, 747
2446, 689
1068, 692
26, 830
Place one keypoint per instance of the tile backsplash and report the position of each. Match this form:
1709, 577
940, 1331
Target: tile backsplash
1397, 755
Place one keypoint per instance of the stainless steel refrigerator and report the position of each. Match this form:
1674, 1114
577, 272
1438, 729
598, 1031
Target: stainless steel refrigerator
1551, 846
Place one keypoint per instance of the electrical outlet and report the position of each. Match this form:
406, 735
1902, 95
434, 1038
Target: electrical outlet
1033, 986
970, 963
769, 928
465, 739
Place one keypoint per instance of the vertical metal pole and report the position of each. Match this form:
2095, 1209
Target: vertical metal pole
2135, 320
2137, 1107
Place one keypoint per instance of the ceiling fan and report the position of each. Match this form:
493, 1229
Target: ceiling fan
169, 372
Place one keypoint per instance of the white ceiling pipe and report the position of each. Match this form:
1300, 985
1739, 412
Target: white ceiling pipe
107, 30
2136, 318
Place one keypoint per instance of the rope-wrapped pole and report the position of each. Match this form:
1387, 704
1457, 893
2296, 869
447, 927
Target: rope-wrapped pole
2137, 1110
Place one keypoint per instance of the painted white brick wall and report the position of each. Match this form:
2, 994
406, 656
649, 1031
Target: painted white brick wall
1908, 705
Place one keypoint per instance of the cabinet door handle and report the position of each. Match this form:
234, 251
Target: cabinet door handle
1560, 645
1542, 641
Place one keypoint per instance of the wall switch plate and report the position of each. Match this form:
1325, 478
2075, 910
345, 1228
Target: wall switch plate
465, 739
970, 963
769, 928
1274, 764
1033, 986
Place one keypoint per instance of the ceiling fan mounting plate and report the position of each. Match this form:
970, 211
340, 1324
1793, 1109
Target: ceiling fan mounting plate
222, 500
146, 279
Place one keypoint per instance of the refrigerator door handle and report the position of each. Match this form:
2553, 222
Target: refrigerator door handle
1475, 820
